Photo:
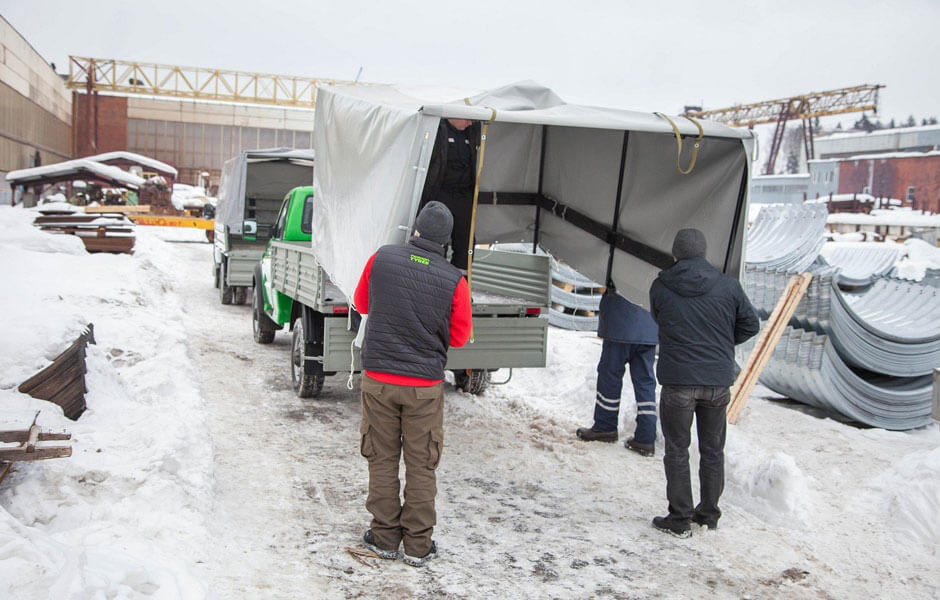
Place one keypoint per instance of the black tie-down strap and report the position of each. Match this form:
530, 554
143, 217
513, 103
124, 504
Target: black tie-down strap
647, 254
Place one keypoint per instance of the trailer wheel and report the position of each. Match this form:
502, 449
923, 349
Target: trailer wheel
226, 293
305, 385
475, 382
262, 327
240, 294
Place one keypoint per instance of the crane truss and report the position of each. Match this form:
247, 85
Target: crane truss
131, 77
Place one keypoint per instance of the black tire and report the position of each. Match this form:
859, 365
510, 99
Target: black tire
226, 293
215, 275
474, 383
262, 327
305, 385
240, 295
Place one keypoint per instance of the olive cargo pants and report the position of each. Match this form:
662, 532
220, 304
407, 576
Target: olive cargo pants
396, 420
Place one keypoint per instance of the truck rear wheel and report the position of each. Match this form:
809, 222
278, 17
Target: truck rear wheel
305, 385
240, 295
475, 382
262, 327
226, 293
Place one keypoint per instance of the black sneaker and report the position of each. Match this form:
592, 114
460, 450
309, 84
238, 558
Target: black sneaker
369, 539
589, 434
640, 448
421, 561
703, 522
665, 524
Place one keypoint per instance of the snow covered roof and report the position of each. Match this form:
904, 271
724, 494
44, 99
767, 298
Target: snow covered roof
140, 159
880, 132
899, 218
79, 168
864, 198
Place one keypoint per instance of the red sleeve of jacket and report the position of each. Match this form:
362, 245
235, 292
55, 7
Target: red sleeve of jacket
460, 316
361, 297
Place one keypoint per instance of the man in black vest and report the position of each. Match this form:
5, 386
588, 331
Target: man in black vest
418, 306
702, 314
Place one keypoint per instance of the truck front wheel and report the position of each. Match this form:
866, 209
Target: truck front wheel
305, 385
261, 326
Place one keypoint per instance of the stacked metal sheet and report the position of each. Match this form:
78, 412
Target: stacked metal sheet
807, 367
574, 301
786, 236
861, 263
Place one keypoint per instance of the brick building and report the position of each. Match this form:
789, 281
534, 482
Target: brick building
912, 177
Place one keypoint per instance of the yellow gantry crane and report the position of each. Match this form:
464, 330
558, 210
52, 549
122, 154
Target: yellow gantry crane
132, 77
804, 107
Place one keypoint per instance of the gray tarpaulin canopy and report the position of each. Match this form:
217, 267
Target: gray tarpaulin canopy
596, 187
274, 171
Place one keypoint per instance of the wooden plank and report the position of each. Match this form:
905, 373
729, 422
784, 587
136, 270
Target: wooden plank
20, 437
4, 470
142, 208
763, 350
20, 454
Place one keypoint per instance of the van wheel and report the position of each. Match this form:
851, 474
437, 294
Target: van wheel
262, 327
226, 293
475, 382
305, 385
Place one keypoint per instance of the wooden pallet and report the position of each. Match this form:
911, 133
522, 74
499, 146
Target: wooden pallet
31, 446
766, 342
116, 238
63, 382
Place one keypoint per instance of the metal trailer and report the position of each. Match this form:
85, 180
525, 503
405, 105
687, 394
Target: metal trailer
251, 191
510, 291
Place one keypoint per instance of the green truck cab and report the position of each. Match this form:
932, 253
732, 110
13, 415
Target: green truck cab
510, 291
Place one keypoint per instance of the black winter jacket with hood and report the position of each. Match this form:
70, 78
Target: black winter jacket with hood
702, 314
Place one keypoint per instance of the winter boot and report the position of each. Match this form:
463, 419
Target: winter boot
700, 520
672, 527
593, 435
369, 539
421, 561
639, 448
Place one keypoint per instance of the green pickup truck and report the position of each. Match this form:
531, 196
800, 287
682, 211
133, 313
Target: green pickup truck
510, 291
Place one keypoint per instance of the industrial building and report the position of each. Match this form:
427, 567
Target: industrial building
35, 109
43, 121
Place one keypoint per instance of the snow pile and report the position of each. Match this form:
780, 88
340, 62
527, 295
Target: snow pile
912, 486
124, 515
188, 196
919, 257
767, 484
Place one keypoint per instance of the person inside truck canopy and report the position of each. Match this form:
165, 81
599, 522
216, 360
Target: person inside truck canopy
450, 180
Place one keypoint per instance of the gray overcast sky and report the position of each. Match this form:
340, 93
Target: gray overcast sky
654, 55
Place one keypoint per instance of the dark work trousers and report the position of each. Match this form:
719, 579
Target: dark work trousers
460, 202
396, 420
610, 371
677, 405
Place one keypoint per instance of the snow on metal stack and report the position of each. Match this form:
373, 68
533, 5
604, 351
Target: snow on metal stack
861, 263
786, 236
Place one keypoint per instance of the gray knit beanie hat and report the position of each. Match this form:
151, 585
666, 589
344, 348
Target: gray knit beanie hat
435, 222
689, 243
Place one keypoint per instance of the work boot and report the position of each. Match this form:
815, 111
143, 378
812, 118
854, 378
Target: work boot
672, 527
593, 435
700, 520
421, 561
640, 448
369, 539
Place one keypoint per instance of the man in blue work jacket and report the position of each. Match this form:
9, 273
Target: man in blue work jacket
630, 336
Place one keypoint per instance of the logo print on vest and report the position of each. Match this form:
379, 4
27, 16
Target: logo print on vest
420, 260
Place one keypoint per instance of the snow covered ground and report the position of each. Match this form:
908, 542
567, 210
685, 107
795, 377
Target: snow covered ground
196, 473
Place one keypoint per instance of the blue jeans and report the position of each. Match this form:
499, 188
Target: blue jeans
677, 406
610, 371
